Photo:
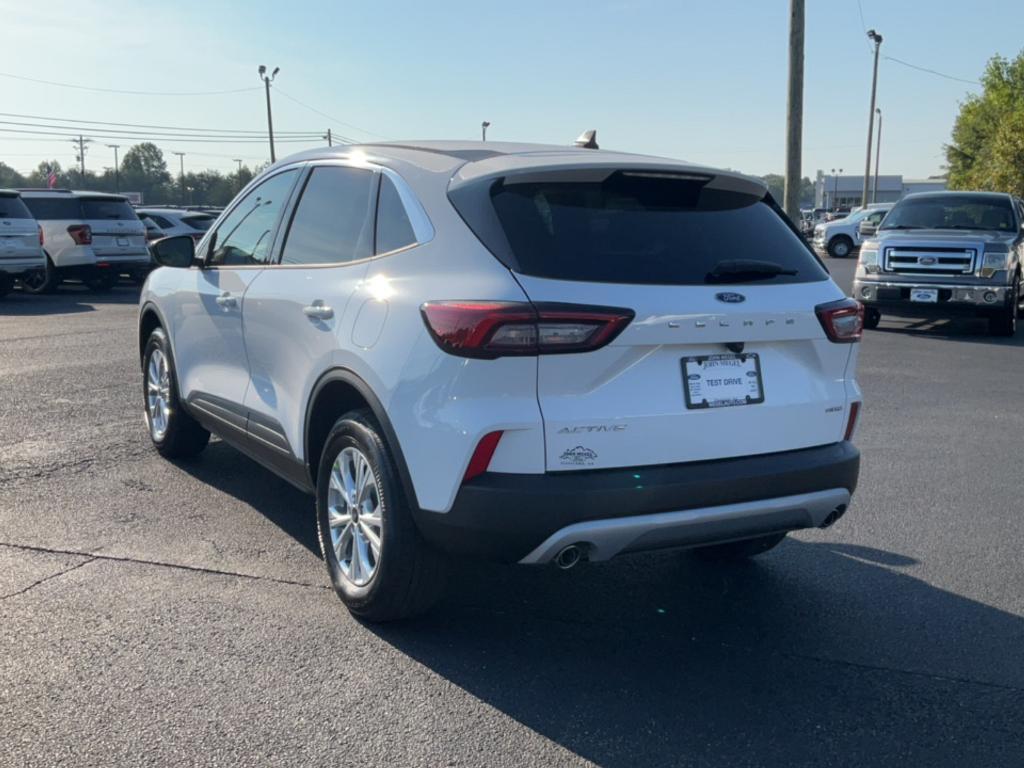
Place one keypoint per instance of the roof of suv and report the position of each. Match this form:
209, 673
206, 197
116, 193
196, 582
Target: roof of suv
957, 193
172, 211
84, 194
476, 159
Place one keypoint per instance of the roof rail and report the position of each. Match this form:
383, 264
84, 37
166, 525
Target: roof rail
43, 189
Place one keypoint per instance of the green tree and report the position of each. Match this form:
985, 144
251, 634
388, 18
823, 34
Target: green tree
10, 177
143, 169
776, 186
987, 148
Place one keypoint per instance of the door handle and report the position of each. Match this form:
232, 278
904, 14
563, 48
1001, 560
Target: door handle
318, 310
227, 301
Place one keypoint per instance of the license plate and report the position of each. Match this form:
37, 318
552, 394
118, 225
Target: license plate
122, 241
924, 295
717, 381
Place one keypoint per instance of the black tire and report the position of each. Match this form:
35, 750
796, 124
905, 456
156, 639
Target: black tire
41, 281
740, 550
840, 247
408, 575
101, 282
872, 317
1005, 323
183, 437
6, 284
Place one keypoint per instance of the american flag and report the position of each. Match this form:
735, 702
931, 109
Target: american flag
51, 177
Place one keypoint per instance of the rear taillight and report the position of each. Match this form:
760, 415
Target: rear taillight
842, 320
42, 240
490, 329
851, 422
482, 456
81, 234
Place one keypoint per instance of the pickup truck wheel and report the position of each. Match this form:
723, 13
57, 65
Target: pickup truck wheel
380, 566
872, 317
839, 247
175, 434
1005, 322
41, 280
6, 284
740, 550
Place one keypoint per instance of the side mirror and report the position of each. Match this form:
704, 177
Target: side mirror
867, 228
178, 251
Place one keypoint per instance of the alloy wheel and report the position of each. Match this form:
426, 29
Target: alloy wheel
354, 516
158, 394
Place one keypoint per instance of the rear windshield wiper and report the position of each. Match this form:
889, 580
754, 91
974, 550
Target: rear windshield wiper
745, 270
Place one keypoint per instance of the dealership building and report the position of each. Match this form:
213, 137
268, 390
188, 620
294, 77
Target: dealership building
845, 191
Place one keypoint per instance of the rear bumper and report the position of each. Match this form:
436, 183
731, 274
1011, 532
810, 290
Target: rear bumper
528, 518
953, 298
19, 266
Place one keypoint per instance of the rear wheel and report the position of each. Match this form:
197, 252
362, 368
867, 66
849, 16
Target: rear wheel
102, 282
379, 564
872, 317
40, 281
740, 550
174, 433
840, 247
6, 284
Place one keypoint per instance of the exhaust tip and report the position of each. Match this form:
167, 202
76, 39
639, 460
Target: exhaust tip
834, 515
568, 557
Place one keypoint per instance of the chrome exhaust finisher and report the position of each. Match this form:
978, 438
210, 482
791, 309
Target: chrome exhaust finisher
606, 538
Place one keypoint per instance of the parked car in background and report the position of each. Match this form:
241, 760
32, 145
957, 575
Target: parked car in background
842, 237
531, 353
89, 236
153, 231
939, 254
179, 221
21, 241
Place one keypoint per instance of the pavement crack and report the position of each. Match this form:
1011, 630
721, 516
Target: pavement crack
160, 564
52, 576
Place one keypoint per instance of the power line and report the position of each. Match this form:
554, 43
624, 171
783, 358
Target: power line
169, 139
210, 134
145, 125
931, 71
132, 93
332, 119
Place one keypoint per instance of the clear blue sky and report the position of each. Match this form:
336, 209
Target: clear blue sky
704, 81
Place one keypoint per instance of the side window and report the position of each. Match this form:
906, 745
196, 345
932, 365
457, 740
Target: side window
394, 230
876, 217
333, 222
245, 236
161, 221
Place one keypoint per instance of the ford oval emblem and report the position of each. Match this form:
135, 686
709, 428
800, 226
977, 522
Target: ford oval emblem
731, 298
927, 261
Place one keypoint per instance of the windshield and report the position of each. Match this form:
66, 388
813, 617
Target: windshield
952, 212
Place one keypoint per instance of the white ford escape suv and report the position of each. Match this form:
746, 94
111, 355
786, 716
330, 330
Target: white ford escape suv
21, 241
531, 353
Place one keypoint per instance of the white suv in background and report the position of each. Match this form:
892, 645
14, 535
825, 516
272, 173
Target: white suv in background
179, 221
89, 236
21, 241
532, 353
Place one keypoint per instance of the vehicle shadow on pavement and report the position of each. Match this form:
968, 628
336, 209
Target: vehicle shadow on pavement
957, 329
66, 300
815, 654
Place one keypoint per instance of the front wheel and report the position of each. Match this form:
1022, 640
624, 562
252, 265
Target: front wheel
740, 550
840, 247
1005, 322
379, 564
175, 434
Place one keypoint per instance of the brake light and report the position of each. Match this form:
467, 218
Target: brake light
842, 320
42, 240
491, 329
81, 234
851, 423
482, 456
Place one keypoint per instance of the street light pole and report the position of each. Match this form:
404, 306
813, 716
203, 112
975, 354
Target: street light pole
795, 110
267, 80
117, 172
835, 188
483, 129
878, 155
877, 38
181, 175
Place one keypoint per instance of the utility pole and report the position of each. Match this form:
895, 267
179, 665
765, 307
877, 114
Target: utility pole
117, 172
877, 38
483, 129
239, 161
80, 143
181, 175
795, 110
878, 155
329, 143
267, 80
835, 189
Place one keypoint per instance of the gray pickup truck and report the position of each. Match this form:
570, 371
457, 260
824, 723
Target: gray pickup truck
940, 254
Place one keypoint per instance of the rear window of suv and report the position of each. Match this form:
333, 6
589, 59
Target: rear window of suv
49, 208
11, 207
640, 228
202, 223
100, 208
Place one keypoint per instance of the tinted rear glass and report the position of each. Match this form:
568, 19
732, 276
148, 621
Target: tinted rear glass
202, 223
642, 228
94, 208
54, 207
12, 207
952, 212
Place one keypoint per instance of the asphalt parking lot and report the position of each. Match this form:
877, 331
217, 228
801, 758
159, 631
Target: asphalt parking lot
154, 613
